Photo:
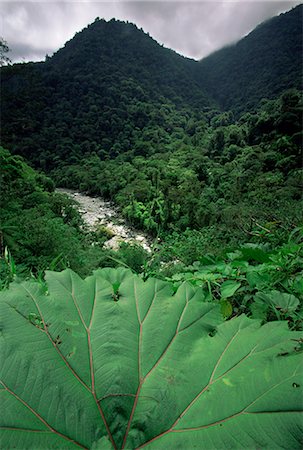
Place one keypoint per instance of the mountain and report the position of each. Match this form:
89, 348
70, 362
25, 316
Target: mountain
114, 90
116, 115
261, 65
95, 95
120, 52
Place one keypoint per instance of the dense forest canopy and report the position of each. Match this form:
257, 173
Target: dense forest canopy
261, 65
112, 89
205, 157
115, 114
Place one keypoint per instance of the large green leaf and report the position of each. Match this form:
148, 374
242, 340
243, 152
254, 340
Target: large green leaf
112, 361
285, 302
281, 301
228, 288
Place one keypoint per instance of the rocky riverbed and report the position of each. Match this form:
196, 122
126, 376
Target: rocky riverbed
97, 212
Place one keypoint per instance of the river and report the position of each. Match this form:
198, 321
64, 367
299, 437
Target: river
97, 212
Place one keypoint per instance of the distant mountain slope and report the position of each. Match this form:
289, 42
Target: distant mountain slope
261, 65
113, 89
122, 51
108, 83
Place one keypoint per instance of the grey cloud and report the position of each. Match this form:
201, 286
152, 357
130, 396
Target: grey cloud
192, 28
44, 27
24, 52
196, 29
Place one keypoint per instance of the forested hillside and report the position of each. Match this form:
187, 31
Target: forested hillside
134, 348
112, 89
109, 90
261, 65
115, 114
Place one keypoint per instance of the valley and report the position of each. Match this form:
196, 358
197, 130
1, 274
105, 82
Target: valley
184, 153
98, 213
151, 243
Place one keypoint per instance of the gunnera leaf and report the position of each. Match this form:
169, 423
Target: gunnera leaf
141, 368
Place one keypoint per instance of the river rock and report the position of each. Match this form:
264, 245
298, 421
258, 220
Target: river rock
96, 212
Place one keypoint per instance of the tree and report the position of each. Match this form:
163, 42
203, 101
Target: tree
3, 50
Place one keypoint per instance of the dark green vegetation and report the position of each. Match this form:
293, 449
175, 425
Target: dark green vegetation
116, 115
41, 229
112, 90
37, 226
210, 165
229, 178
263, 64
266, 285
136, 365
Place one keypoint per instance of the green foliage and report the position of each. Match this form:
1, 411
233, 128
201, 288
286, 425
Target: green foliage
100, 117
103, 233
264, 284
133, 256
197, 200
261, 65
115, 362
125, 361
34, 224
241, 192
7, 269
39, 228
103, 93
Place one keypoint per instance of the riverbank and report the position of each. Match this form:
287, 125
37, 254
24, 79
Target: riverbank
98, 213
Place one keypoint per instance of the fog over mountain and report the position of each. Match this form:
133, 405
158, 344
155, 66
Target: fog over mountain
194, 28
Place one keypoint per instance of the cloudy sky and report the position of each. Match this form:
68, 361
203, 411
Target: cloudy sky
192, 28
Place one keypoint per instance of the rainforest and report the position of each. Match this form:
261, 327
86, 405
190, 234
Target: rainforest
151, 243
